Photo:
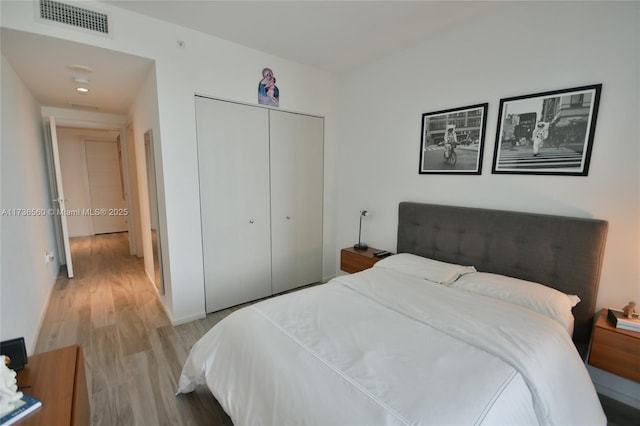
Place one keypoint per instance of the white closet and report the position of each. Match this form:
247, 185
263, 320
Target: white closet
261, 174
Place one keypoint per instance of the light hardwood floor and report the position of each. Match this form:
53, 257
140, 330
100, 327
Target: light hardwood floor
133, 354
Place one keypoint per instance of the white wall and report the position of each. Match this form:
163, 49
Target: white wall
518, 49
210, 66
26, 280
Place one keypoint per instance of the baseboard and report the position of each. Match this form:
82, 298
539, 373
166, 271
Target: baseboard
149, 278
616, 387
329, 278
184, 320
174, 321
31, 346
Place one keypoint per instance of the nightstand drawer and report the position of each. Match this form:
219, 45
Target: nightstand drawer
614, 350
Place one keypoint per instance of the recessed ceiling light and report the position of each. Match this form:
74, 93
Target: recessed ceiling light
79, 68
82, 89
81, 80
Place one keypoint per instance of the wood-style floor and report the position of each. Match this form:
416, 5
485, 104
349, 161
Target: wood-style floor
133, 354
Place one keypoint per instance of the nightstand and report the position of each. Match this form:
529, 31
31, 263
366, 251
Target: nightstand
352, 260
614, 350
59, 380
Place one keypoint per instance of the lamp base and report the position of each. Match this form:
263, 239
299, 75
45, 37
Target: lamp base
360, 246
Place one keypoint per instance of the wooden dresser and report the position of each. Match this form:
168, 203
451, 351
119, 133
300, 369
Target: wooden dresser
59, 380
615, 350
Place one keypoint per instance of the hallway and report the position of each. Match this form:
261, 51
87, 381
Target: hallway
133, 355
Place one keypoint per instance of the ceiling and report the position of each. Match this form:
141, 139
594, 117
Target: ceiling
43, 65
331, 35
336, 36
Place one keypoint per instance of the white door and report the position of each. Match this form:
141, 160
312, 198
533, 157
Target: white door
233, 165
296, 199
106, 185
59, 202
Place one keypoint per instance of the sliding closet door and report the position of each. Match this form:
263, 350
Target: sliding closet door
233, 160
296, 199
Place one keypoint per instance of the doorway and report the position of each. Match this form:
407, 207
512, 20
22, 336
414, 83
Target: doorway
92, 174
94, 178
110, 187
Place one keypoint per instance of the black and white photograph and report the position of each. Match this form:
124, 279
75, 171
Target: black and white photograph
452, 140
548, 133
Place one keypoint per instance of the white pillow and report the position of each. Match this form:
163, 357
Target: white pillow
537, 297
432, 270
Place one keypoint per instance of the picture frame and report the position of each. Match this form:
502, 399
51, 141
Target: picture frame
548, 133
468, 126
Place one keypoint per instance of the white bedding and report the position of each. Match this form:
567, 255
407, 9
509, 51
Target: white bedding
382, 347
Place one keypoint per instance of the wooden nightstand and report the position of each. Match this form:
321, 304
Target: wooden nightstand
58, 379
614, 350
352, 260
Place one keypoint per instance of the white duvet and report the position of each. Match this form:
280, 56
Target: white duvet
382, 347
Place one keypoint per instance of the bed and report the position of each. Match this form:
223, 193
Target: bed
456, 328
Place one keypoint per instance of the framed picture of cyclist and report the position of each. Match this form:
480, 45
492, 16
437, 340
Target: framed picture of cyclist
549, 133
452, 140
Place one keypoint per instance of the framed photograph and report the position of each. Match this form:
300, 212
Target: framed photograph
452, 140
548, 133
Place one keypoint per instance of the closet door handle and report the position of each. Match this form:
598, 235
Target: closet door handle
288, 217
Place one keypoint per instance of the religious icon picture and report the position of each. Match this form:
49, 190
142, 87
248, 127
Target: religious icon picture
268, 93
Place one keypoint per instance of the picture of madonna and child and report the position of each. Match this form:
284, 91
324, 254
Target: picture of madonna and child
268, 93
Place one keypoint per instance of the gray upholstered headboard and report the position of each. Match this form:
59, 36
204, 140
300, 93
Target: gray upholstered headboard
562, 252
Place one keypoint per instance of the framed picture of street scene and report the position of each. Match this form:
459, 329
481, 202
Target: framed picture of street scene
548, 133
452, 140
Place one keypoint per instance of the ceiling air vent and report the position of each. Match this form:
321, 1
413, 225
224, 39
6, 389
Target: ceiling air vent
85, 106
76, 16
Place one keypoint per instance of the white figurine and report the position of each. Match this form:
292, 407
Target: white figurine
629, 310
9, 394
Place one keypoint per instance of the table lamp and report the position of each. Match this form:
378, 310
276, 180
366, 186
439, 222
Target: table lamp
361, 245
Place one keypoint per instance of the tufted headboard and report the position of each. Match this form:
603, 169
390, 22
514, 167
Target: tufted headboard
562, 252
